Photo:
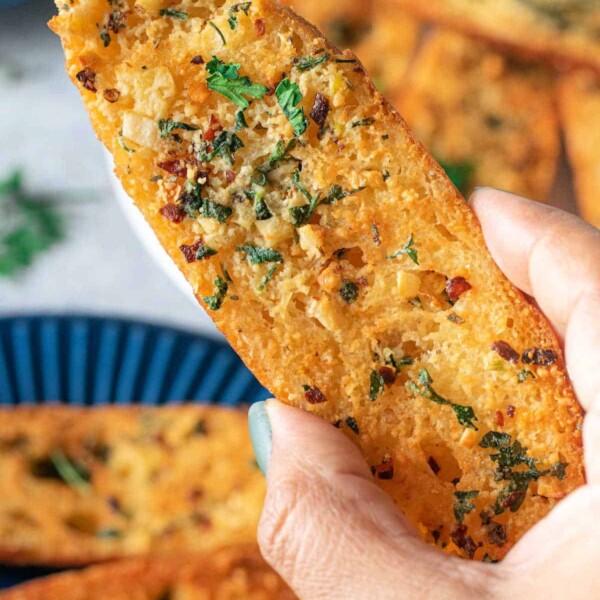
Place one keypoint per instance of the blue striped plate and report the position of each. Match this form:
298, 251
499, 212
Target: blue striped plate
89, 361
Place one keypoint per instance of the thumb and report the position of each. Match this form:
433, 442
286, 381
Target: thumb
329, 530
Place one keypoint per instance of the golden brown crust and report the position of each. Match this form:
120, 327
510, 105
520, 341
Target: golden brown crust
579, 98
491, 119
513, 27
319, 333
236, 573
148, 480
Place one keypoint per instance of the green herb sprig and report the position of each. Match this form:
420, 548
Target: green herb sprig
289, 96
225, 79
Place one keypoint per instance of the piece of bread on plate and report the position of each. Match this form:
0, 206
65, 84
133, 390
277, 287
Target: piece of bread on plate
383, 36
86, 485
564, 32
336, 256
490, 120
579, 98
235, 573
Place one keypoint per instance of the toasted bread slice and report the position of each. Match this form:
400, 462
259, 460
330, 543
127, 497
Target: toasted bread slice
383, 36
562, 31
236, 573
80, 486
336, 256
579, 94
491, 120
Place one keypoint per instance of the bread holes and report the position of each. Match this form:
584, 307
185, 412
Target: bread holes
354, 256
440, 460
83, 522
297, 42
267, 318
510, 323
22, 518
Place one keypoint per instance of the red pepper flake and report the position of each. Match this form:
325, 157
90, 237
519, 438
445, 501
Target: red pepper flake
191, 252
195, 494
197, 60
314, 395
386, 469
388, 374
540, 357
362, 281
320, 110
496, 533
215, 124
112, 95
175, 167
172, 213
209, 135
499, 418
456, 287
506, 351
463, 541
87, 78
259, 27
230, 176
510, 410
433, 465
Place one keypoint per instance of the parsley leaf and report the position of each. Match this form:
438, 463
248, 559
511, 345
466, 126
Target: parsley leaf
257, 255
219, 33
524, 374
225, 79
175, 14
289, 96
377, 385
74, 475
257, 195
363, 122
279, 154
236, 8
336, 192
123, 145
409, 250
462, 506
397, 364
168, 126
105, 37
465, 415
215, 301
301, 214
225, 146
204, 252
308, 62
27, 227
349, 291
213, 210
268, 277
240, 121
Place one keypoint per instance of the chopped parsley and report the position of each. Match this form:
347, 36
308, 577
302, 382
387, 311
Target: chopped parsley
376, 236
257, 195
268, 277
213, 210
225, 146
215, 301
236, 8
409, 250
289, 96
219, 33
240, 121
363, 122
336, 192
309, 62
459, 173
122, 143
204, 252
27, 227
463, 506
349, 291
524, 374
74, 475
397, 364
225, 79
280, 153
174, 14
168, 126
510, 455
257, 255
351, 422
105, 37
376, 385
465, 415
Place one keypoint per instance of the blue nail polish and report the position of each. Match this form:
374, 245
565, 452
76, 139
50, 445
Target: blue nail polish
261, 434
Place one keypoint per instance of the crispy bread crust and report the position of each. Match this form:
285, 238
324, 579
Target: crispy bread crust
303, 336
159, 480
524, 41
232, 573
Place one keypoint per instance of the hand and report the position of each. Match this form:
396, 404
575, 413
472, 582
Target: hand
332, 533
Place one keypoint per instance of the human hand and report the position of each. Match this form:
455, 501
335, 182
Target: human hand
332, 533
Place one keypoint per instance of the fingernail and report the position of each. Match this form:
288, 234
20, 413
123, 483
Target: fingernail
261, 434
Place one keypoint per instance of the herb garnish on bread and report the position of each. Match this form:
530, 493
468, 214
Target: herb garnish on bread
368, 297
84, 485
